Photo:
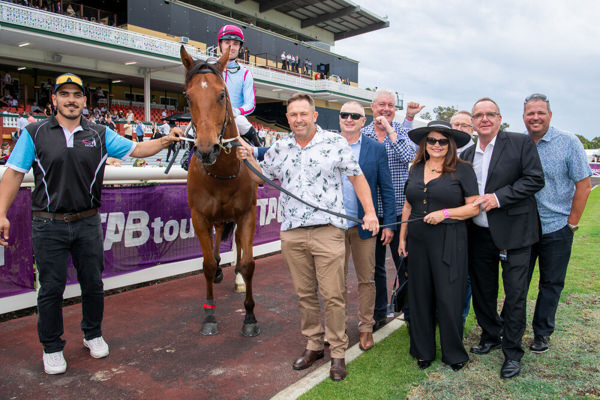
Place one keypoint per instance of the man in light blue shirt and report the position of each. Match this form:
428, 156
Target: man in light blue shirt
373, 161
560, 204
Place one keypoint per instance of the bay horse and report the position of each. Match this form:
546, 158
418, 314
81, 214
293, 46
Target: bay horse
221, 193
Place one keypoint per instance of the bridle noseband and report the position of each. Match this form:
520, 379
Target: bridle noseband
225, 144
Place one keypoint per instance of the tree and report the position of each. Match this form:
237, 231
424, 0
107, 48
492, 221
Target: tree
444, 113
584, 141
504, 126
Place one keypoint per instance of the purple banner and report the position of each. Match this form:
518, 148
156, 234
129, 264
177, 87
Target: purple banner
144, 226
16, 260
595, 169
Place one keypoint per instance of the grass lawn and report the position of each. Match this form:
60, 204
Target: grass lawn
569, 370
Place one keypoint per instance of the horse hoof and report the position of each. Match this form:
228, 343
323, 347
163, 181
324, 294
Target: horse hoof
218, 275
240, 285
209, 329
251, 330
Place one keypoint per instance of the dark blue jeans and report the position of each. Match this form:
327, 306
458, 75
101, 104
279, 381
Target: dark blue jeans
53, 241
554, 252
381, 295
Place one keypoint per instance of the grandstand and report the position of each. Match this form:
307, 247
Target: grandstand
130, 50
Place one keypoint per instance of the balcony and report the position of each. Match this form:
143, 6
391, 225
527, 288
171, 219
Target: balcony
101, 49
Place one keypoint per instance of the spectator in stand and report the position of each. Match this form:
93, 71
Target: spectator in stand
7, 81
70, 12
139, 131
297, 64
130, 116
289, 59
4, 153
48, 110
128, 131
30, 118
163, 114
36, 109
283, 60
22, 122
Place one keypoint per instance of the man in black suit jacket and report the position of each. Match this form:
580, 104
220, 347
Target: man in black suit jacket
509, 173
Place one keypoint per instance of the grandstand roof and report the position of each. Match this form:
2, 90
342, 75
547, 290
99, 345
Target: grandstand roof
342, 18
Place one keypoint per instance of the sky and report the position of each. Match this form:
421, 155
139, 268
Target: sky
453, 52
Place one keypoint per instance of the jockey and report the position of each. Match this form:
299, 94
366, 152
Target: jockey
239, 81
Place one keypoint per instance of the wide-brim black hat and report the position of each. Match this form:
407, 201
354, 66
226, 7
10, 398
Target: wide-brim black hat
461, 138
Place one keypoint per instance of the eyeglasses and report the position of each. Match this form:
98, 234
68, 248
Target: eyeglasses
354, 116
489, 115
464, 126
537, 96
443, 141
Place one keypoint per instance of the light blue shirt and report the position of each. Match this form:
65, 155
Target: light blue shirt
350, 199
564, 162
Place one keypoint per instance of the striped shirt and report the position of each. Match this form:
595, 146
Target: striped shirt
400, 154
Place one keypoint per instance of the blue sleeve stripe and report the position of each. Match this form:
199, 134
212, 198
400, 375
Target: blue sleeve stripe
22, 156
117, 146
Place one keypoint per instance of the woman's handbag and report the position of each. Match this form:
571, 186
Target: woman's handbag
400, 290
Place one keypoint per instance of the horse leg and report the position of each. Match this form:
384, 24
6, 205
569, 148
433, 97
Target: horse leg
204, 233
244, 240
216, 252
240, 284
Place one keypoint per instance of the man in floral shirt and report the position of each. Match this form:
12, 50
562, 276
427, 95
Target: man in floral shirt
310, 163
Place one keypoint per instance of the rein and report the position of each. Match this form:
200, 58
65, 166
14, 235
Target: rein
344, 216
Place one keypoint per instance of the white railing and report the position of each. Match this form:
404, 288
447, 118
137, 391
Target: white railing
78, 28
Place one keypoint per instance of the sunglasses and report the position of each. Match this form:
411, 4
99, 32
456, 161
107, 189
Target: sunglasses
354, 116
442, 142
69, 78
537, 96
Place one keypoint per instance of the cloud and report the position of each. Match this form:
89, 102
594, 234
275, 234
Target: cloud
454, 52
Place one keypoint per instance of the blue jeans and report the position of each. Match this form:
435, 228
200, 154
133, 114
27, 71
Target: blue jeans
381, 296
53, 241
554, 252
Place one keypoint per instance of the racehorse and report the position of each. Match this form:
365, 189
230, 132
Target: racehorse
221, 193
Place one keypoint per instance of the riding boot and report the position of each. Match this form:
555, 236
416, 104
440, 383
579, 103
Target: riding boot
252, 137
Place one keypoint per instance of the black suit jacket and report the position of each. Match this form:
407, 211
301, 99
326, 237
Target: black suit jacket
515, 175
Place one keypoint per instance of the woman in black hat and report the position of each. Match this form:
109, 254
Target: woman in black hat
440, 189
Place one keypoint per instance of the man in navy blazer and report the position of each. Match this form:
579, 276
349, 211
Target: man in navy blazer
509, 173
372, 158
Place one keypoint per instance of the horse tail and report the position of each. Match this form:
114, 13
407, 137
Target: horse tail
228, 230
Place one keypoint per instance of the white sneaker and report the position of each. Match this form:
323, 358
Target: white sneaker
98, 347
54, 363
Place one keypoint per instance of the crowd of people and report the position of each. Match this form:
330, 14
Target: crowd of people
459, 212
466, 211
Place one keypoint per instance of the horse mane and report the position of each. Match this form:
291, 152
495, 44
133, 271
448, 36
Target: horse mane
201, 66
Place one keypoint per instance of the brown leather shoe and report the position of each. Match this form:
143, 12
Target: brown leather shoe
307, 359
366, 341
338, 369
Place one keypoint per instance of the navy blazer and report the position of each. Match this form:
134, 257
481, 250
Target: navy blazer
373, 161
515, 175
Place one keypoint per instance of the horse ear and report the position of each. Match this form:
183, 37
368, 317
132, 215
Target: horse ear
222, 63
186, 59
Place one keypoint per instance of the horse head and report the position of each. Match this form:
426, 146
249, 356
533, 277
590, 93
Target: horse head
209, 104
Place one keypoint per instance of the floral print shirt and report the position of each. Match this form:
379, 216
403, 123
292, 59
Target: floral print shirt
313, 173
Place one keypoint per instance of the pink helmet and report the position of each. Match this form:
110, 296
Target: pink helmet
231, 32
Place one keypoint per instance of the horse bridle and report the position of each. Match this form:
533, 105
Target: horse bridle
225, 144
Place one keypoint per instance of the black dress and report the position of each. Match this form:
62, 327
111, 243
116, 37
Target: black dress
437, 263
